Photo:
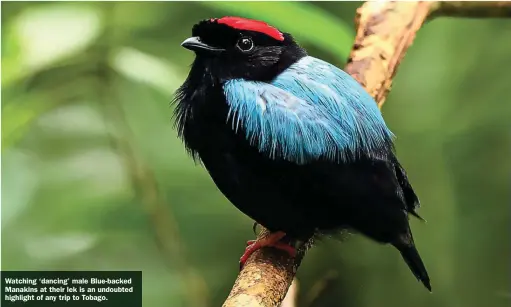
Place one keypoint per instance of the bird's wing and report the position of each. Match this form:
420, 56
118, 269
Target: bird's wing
312, 110
410, 198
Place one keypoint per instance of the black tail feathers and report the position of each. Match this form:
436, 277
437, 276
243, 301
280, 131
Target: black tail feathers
414, 261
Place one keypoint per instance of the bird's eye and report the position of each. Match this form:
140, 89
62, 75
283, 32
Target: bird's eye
245, 44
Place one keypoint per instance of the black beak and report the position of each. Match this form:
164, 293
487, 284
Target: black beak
195, 44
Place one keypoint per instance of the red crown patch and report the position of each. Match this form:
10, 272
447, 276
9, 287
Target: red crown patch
251, 25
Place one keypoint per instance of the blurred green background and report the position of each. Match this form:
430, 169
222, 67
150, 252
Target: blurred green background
94, 178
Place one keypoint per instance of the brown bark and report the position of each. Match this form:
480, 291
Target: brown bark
385, 30
384, 33
265, 278
472, 9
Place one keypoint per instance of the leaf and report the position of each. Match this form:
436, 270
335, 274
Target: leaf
306, 22
17, 117
45, 35
19, 114
147, 69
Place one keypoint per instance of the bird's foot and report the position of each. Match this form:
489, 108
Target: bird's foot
272, 240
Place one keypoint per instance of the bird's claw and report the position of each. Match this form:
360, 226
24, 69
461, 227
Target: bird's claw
271, 241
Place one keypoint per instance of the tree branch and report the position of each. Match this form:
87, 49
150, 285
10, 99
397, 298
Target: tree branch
473, 9
265, 278
385, 31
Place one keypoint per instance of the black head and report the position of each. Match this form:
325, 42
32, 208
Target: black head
234, 47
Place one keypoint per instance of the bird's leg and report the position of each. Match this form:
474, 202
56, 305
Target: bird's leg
273, 240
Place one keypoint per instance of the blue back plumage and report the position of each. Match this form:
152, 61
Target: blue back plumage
311, 110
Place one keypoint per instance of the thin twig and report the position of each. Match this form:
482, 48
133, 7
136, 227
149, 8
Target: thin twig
472, 9
320, 286
291, 296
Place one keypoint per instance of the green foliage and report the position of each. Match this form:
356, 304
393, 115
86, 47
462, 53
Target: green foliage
87, 143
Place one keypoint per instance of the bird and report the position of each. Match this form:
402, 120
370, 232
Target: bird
292, 141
